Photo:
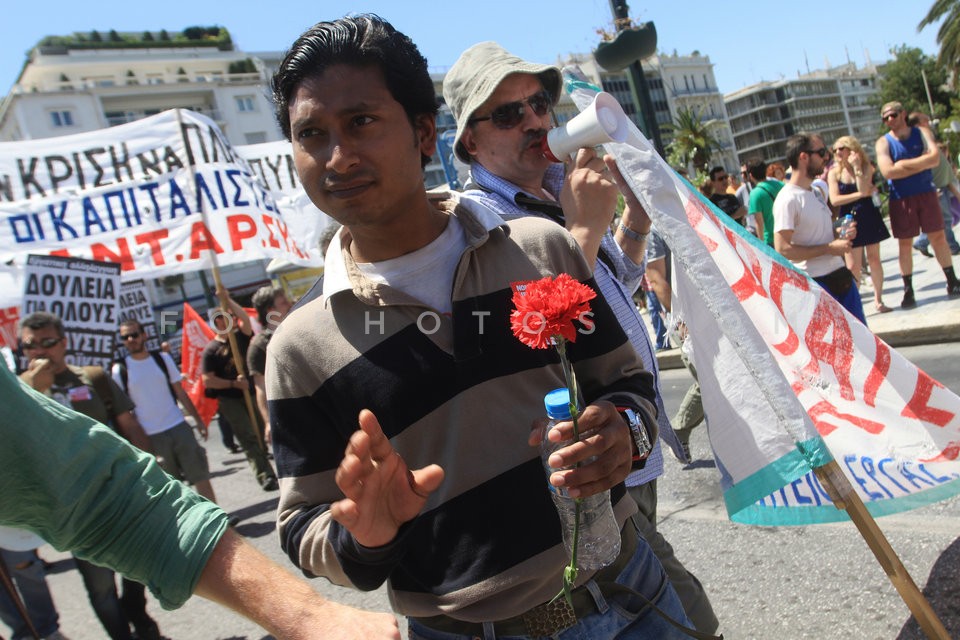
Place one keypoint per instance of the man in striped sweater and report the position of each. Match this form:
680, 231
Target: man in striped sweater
440, 491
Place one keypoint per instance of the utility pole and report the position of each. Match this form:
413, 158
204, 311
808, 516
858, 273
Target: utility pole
635, 74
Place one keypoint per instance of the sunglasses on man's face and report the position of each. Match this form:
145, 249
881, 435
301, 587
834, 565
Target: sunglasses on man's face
509, 115
45, 343
130, 336
822, 152
891, 116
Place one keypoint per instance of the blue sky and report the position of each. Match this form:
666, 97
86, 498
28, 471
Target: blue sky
745, 45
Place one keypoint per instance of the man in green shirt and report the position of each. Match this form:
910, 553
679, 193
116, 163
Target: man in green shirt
762, 195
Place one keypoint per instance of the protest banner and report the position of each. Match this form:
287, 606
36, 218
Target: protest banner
83, 294
9, 318
812, 418
132, 194
196, 334
135, 305
272, 162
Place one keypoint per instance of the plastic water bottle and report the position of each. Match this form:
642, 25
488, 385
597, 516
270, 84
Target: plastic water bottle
845, 225
599, 540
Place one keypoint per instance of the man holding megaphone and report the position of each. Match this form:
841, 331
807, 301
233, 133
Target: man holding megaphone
503, 109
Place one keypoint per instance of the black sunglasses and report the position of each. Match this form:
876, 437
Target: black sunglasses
46, 343
822, 152
890, 116
509, 115
130, 336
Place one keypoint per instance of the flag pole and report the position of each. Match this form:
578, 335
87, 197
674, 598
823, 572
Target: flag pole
845, 497
221, 290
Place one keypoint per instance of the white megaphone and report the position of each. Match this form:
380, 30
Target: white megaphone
603, 121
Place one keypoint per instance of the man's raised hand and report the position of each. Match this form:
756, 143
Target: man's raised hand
380, 491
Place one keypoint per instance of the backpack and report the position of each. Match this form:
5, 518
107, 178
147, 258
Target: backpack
122, 366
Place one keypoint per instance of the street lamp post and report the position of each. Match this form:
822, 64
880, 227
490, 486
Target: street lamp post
628, 52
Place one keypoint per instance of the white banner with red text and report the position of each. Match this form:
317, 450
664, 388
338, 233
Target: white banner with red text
134, 194
789, 379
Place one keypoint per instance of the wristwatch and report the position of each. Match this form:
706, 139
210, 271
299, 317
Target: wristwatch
638, 431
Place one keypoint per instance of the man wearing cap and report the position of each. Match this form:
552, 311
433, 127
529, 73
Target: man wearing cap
905, 157
502, 106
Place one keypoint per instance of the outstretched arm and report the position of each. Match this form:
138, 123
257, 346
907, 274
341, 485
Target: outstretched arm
241, 578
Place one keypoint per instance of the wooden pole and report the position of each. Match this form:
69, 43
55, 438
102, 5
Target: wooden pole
222, 291
17, 600
845, 497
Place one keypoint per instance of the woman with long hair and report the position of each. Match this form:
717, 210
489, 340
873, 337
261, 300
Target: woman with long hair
851, 188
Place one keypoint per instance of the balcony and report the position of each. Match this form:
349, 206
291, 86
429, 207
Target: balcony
119, 81
133, 116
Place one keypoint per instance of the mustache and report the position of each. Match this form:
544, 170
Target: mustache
532, 137
338, 180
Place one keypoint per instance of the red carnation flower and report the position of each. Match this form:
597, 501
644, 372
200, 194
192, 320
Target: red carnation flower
545, 310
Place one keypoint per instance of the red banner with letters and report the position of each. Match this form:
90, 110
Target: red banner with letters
196, 334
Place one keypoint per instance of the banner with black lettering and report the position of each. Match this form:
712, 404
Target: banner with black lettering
135, 305
133, 195
272, 163
83, 294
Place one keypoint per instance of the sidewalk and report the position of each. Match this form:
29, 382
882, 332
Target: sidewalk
935, 319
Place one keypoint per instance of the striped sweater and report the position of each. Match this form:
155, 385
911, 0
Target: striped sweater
460, 391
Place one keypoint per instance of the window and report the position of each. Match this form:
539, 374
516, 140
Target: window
62, 118
255, 137
245, 104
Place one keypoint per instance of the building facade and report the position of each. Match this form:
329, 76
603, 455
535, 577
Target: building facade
831, 103
676, 83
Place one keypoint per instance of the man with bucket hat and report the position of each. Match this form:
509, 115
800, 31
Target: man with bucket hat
502, 106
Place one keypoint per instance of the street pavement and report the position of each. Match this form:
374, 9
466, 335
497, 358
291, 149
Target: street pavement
765, 582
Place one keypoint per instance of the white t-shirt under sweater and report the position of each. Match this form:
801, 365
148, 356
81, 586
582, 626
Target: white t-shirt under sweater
148, 387
427, 273
803, 211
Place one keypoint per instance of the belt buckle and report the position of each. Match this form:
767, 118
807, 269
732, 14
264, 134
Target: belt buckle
549, 618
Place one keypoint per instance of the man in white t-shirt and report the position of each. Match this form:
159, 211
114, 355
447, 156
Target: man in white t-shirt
152, 381
803, 231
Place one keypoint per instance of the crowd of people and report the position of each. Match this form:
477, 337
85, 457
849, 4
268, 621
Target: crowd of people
800, 213
408, 455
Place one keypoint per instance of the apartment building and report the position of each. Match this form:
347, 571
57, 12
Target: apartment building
830, 102
676, 83
87, 81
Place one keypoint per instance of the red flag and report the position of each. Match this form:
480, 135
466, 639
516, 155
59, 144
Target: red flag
9, 318
196, 334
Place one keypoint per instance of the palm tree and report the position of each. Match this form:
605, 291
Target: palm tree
948, 36
693, 140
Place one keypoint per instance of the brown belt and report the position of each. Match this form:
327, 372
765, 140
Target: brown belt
550, 617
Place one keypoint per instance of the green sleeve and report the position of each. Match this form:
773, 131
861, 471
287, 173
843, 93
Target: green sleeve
82, 488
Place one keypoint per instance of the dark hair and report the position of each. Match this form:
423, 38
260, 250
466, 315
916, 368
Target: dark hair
130, 321
365, 40
715, 171
796, 144
41, 320
757, 170
263, 299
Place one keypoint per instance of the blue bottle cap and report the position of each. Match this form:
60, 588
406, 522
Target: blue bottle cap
557, 403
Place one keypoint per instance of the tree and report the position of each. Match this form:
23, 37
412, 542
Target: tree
900, 80
693, 140
948, 36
